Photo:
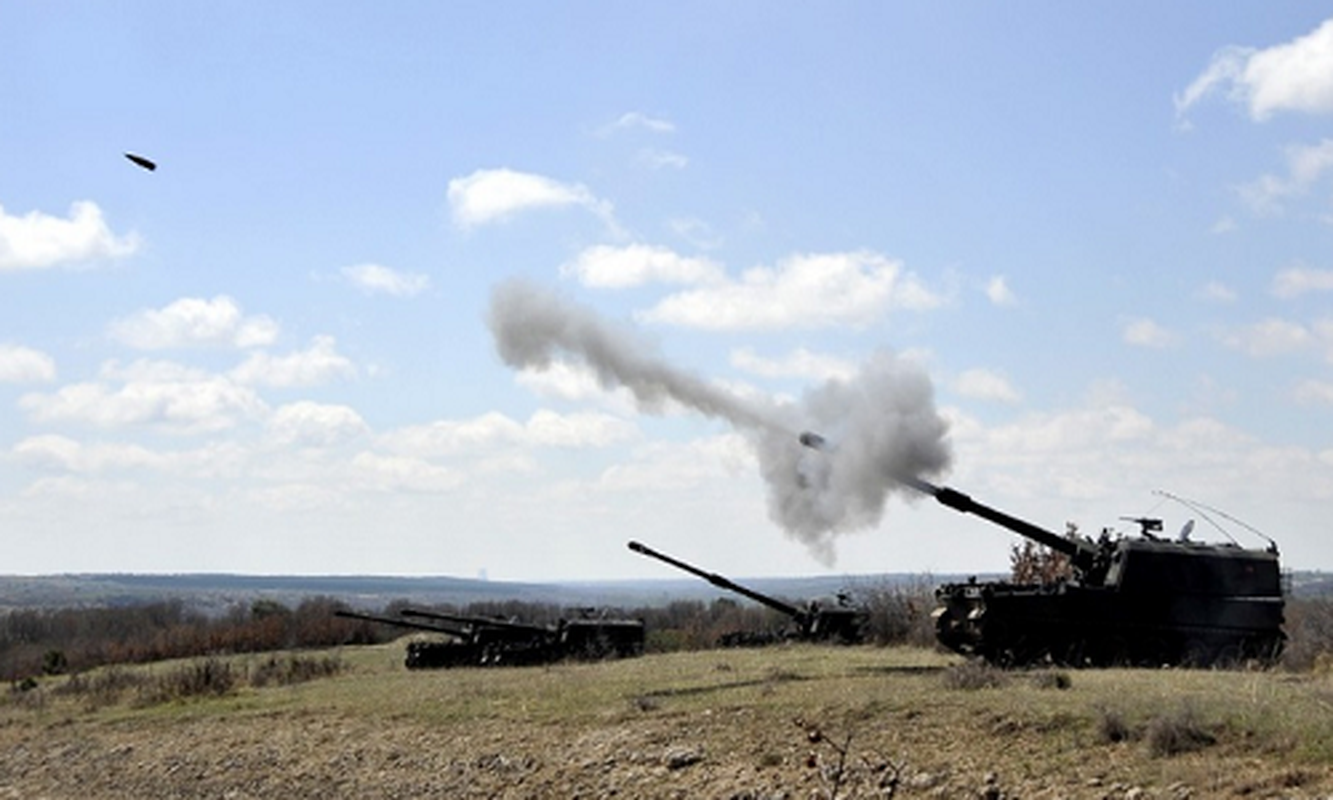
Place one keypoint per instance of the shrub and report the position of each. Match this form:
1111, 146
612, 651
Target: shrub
1180, 732
974, 674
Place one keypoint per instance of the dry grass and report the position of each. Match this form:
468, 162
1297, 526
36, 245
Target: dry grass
710, 724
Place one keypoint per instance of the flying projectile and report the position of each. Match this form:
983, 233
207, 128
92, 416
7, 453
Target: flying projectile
812, 440
141, 161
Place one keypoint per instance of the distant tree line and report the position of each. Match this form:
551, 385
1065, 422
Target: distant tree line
74, 640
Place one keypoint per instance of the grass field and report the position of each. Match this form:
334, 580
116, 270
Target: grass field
783, 722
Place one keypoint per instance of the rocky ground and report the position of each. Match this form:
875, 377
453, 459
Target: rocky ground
718, 755
799, 735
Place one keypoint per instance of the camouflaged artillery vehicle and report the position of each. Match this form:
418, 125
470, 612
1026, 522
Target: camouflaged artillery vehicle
509, 642
1143, 600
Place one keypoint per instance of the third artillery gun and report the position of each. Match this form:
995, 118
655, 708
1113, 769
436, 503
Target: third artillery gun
841, 624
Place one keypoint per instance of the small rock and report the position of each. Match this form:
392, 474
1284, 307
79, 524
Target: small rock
681, 757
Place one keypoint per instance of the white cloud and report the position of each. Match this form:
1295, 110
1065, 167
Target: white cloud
315, 424
1306, 165
157, 394
378, 279
1297, 281
604, 266
25, 365
1269, 338
807, 291
670, 467
194, 322
1293, 76
638, 119
1215, 292
982, 384
40, 241
493, 430
396, 473
696, 232
999, 293
800, 363
1315, 392
1143, 332
319, 364
494, 195
654, 158
53, 452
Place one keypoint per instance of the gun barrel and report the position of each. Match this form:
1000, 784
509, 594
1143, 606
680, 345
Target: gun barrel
402, 623
474, 621
719, 581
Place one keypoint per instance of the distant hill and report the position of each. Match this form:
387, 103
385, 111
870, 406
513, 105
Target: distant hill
215, 593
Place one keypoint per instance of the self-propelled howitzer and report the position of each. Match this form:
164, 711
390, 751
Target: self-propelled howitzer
585, 637
840, 624
1143, 600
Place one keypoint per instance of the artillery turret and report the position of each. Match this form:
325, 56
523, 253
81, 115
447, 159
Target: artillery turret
1144, 600
841, 624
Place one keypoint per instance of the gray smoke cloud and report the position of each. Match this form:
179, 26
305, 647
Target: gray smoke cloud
879, 425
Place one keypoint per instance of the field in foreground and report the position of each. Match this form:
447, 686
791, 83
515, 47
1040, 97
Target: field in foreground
785, 722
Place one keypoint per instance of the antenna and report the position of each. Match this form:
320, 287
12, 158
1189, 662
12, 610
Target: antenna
1204, 510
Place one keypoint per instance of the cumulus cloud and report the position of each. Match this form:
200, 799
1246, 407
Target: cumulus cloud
543, 429
1297, 281
40, 241
1215, 292
1270, 337
982, 384
194, 322
804, 291
1143, 332
148, 393
1313, 392
999, 293
319, 364
312, 424
610, 267
61, 453
654, 158
800, 363
401, 474
1293, 76
25, 365
632, 120
495, 195
378, 279
1306, 165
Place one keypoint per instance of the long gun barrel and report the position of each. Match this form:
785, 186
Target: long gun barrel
474, 621
402, 623
720, 582
1081, 554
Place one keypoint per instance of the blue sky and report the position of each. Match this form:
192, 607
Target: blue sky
1103, 232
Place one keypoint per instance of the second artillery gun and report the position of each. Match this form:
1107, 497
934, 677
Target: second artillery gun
841, 624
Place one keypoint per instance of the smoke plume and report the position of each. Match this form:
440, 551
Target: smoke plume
877, 427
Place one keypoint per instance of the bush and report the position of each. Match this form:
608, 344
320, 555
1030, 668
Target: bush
293, 669
1176, 733
975, 674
